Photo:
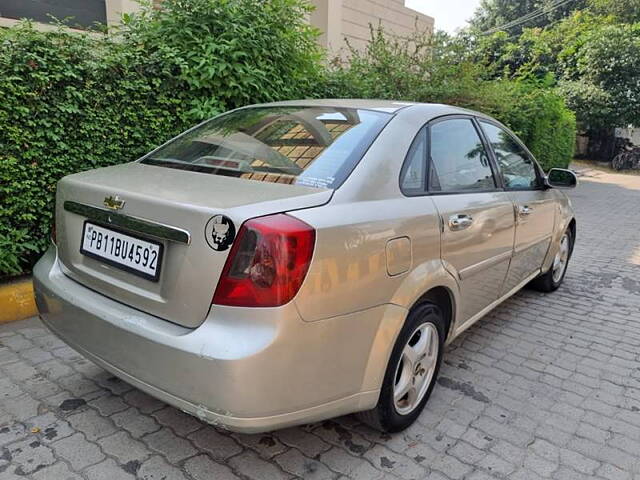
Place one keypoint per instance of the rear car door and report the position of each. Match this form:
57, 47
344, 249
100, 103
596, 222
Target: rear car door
477, 216
533, 203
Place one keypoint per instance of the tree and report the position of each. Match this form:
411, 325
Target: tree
603, 83
493, 13
591, 57
496, 13
625, 11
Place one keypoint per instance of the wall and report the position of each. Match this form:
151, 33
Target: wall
632, 134
336, 19
350, 20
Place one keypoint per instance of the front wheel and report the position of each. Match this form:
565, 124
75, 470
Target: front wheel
412, 371
618, 162
552, 280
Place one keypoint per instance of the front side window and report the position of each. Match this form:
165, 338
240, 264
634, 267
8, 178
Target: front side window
517, 168
458, 159
310, 146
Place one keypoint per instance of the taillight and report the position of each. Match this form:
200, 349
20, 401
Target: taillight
267, 263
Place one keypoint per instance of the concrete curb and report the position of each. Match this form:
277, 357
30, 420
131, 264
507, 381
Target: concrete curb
17, 301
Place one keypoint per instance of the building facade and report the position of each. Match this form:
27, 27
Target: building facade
340, 21
343, 21
80, 14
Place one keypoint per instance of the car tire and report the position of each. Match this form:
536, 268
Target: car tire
552, 279
423, 332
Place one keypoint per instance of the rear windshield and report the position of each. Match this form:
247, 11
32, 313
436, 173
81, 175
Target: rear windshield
310, 146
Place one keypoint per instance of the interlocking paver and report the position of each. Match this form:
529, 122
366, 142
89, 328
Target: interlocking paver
135, 423
78, 451
181, 423
174, 448
301, 466
545, 386
124, 448
22, 406
49, 428
143, 402
255, 468
390, 462
156, 468
203, 468
109, 404
58, 471
91, 424
304, 441
220, 447
28, 456
353, 467
108, 470
265, 445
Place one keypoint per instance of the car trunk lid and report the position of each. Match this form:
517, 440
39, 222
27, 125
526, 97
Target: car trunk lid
157, 202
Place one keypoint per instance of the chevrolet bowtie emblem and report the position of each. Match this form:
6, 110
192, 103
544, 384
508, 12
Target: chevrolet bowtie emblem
113, 203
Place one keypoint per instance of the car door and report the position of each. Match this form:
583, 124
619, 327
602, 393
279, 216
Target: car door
477, 217
533, 203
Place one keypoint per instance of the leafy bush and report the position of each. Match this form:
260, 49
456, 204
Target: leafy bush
70, 103
229, 53
73, 102
436, 70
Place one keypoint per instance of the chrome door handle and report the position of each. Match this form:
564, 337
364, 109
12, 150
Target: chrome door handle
524, 210
460, 222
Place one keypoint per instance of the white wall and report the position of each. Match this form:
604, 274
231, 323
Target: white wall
632, 134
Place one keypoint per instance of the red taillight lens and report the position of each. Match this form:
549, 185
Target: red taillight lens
267, 263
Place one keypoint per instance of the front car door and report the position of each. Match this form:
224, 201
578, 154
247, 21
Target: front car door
477, 216
534, 204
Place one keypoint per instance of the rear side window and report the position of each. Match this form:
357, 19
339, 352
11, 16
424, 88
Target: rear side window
414, 171
458, 159
517, 168
310, 146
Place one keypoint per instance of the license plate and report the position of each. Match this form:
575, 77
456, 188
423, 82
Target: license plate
121, 250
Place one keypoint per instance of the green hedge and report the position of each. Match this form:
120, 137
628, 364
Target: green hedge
436, 71
69, 103
72, 102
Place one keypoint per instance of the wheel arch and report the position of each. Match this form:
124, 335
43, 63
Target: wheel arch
573, 228
444, 299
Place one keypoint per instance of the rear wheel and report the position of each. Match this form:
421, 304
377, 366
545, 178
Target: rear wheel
412, 371
551, 280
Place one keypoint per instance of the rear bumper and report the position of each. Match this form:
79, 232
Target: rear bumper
248, 370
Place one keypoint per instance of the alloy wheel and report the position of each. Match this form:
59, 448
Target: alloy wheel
416, 368
561, 259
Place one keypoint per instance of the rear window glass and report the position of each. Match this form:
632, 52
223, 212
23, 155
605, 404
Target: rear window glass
310, 146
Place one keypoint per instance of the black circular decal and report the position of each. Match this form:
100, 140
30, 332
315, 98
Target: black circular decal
220, 232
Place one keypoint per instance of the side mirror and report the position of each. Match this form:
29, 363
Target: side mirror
561, 178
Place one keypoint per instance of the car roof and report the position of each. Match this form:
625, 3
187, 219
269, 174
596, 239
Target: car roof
388, 106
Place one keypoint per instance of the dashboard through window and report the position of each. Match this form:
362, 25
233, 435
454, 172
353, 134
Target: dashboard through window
458, 159
309, 146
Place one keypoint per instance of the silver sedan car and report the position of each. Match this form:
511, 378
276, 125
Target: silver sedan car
295, 261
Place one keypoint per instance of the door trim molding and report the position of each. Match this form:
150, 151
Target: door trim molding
471, 270
532, 244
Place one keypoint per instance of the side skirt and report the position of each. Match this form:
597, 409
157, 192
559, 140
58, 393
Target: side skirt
493, 305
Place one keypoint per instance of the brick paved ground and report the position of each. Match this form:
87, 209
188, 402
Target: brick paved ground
547, 386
